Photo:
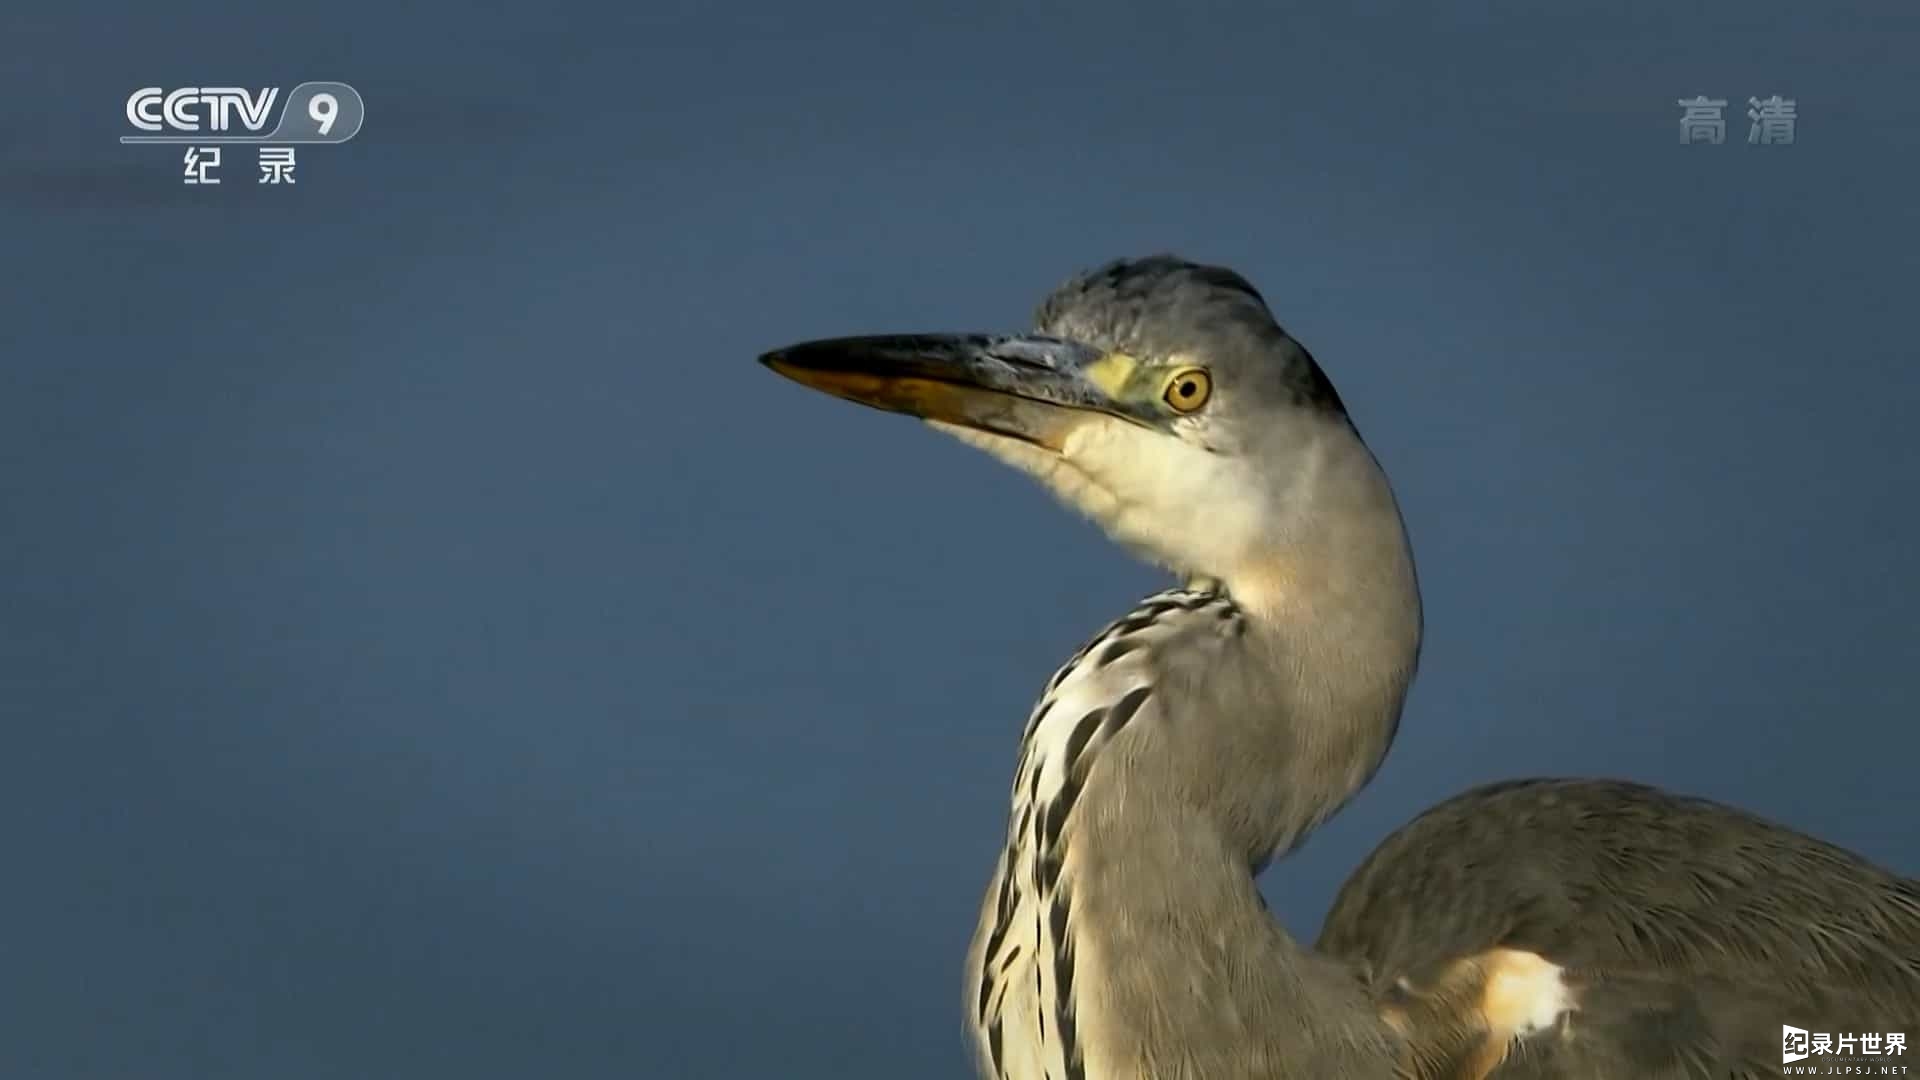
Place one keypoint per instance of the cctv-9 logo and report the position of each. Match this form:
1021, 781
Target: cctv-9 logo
314, 112
329, 112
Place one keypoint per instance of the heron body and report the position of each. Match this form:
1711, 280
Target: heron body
1551, 928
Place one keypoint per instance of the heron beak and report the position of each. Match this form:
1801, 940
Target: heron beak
1031, 388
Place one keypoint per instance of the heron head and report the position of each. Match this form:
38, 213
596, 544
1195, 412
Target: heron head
1157, 396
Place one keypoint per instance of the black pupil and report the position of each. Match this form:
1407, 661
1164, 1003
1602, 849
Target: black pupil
1187, 389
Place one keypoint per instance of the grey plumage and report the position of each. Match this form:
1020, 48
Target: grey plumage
1162, 305
1687, 917
1614, 874
1541, 928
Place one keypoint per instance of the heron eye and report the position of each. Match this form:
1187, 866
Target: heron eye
1188, 389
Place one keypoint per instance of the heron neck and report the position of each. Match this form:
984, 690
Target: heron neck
1334, 547
1177, 958
1283, 730
1182, 749
1260, 740
1159, 869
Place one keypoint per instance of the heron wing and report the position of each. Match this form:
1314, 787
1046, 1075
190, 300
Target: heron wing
1683, 933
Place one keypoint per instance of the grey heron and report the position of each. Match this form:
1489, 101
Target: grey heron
1546, 927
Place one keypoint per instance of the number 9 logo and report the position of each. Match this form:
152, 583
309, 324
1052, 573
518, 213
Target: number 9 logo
324, 109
